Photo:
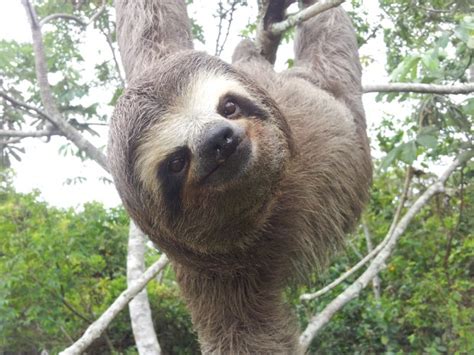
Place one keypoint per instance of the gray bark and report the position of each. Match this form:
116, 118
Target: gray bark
140, 312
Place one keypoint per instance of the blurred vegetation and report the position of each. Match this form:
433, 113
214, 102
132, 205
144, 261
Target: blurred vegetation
60, 269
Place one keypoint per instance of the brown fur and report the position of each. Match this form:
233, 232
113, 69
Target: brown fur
236, 247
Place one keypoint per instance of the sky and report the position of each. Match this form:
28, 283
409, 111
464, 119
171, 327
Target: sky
43, 168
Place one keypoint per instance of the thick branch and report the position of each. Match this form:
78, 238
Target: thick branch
98, 327
421, 88
303, 15
140, 312
47, 96
321, 319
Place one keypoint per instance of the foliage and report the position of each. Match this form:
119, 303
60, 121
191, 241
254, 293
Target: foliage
62, 268
436, 46
426, 295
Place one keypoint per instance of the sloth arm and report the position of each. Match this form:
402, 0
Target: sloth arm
149, 30
320, 96
327, 183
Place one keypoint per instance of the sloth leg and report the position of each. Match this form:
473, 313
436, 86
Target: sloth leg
326, 53
149, 30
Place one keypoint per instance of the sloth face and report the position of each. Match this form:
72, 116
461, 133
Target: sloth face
205, 150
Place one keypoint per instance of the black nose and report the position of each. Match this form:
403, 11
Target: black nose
219, 143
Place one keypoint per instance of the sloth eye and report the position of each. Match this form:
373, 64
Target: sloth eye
176, 165
230, 108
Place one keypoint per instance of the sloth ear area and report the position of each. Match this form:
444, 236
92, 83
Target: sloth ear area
233, 106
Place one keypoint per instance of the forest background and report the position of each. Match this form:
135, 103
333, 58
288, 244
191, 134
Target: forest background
63, 259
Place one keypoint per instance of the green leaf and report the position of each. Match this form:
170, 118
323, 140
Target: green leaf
430, 63
408, 152
428, 137
390, 157
407, 69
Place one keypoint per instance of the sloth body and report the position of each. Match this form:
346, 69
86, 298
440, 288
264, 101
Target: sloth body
246, 178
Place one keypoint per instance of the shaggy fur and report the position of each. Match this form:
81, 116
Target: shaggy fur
237, 243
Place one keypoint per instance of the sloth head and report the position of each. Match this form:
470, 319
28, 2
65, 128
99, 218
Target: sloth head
197, 151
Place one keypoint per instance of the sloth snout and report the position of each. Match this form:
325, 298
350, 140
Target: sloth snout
223, 153
219, 143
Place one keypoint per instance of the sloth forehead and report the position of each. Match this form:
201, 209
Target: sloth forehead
184, 121
205, 90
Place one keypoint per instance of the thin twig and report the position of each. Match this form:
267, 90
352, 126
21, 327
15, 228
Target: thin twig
25, 106
61, 16
64, 16
373, 252
108, 39
222, 15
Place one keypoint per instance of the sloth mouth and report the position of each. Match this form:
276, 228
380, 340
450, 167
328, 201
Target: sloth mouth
225, 170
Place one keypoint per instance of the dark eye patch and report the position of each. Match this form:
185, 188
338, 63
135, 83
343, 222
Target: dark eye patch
247, 107
171, 181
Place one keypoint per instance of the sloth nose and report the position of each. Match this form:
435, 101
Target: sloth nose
219, 143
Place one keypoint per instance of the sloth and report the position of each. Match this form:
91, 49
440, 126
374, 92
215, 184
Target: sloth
246, 178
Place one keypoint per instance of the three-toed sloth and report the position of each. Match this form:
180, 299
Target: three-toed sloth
245, 177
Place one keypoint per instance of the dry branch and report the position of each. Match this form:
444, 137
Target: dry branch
321, 319
303, 15
421, 88
98, 327
376, 280
344, 276
47, 97
29, 134
24, 106
140, 312
373, 252
64, 16
52, 17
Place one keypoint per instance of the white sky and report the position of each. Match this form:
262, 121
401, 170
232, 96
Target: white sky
45, 169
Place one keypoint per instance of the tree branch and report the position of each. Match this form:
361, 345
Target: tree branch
223, 15
376, 280
65, 16
421, 88
344, 276
265, 41
372, 253
47, 96
303, 15
98, 327
140, 312
321, 319
25, 106
108, 39
26, 134
62, 16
